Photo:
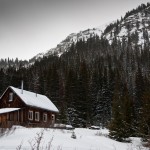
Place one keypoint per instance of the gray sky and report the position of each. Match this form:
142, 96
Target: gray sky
28, 27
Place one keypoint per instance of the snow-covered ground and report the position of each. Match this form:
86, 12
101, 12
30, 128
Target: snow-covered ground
60, 139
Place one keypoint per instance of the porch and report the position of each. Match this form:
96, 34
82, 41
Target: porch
11, 116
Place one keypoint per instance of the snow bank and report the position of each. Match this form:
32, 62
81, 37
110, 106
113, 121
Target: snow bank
61, 139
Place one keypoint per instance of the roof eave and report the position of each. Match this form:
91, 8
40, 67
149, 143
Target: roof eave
44, 109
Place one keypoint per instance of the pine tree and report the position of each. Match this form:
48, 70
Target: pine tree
138, 101
71, 98
144, 127
36, 82
116, 123
127, 113
82, 92
103, 107
122, 114
94, 86
2, 78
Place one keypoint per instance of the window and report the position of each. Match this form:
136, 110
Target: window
30, 115
53, 117
45, 117
37, 118
10, 97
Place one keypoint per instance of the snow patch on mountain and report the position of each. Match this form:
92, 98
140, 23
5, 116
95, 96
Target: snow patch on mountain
138, 22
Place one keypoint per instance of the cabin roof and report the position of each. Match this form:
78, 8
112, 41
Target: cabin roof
30, 99
6, 110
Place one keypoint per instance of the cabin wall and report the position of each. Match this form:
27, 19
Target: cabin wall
41, 123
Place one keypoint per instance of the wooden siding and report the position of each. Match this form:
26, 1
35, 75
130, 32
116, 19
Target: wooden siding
15, 103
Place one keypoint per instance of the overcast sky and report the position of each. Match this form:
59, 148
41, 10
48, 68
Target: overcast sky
28, 27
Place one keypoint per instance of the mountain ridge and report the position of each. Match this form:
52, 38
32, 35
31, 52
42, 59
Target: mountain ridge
69, 40
137, 21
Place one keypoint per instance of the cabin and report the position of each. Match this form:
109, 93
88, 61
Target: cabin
25, 108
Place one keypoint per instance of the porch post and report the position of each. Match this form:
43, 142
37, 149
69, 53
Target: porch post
18, 115
22, 115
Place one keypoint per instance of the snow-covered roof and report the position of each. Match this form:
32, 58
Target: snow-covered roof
6, 110
30, 99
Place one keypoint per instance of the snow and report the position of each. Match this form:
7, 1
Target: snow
5, 110
86, 139
31, 99
60, 54
40, 55
123, 32
69, 126
94, 127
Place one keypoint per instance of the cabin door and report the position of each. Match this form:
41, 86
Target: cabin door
3, 118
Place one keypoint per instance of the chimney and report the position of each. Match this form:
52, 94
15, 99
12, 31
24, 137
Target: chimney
22, 87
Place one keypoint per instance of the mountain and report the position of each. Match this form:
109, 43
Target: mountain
70, 39
135, 23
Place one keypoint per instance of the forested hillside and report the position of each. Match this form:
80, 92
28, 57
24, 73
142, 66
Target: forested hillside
97, 82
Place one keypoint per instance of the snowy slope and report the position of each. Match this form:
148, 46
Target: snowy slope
138, 22
61, 140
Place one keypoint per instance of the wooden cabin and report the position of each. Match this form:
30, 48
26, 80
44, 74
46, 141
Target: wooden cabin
21, 107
